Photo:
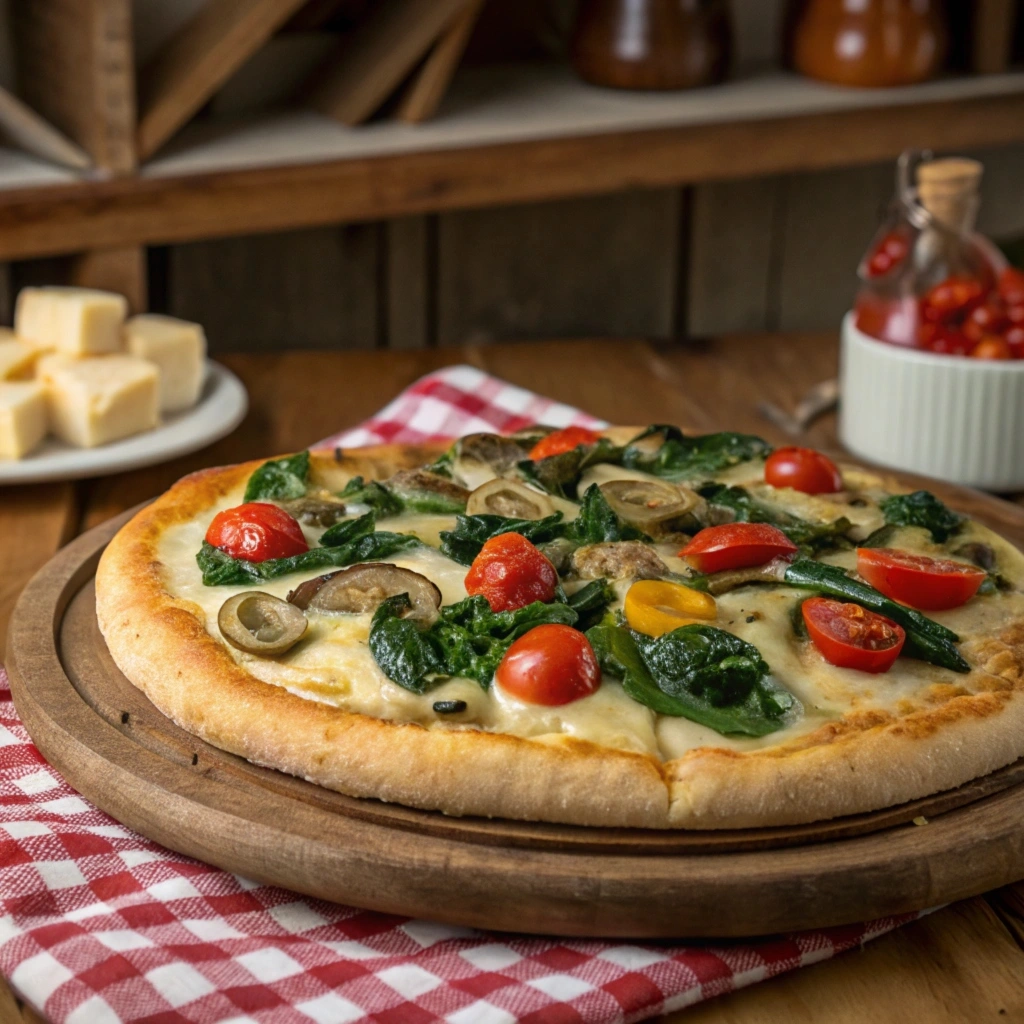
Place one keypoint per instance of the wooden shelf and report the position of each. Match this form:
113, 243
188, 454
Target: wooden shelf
503, 135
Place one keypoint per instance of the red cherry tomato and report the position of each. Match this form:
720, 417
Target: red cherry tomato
1015, 339
256, 532
562, 441
952, 299
552, 664
989, 318
948, 341
511, 573
850, 636
1015, 314
803, 469
992, 347
931, 584
736, 546
1011, 286
890, 252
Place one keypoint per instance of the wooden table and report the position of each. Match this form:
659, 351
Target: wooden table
962, 963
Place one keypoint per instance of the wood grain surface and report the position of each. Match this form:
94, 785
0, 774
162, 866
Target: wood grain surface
426, 89
294, 401
159, 210
200, 58
382, 52
75, 67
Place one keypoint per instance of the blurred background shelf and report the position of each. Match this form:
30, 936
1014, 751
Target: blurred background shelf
529, 204
502, 135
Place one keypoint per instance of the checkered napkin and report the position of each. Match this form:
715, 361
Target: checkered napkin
100, 925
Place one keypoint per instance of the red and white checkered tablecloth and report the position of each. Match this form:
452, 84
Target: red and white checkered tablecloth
99, 925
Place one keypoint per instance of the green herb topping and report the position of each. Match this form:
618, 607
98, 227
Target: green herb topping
922, 509
280, 479
698, 672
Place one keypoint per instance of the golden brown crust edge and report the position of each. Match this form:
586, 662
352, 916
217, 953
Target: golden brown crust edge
161, 645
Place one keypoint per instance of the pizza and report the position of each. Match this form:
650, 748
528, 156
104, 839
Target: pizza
628, 628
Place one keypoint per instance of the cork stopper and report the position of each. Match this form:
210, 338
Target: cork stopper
948, 190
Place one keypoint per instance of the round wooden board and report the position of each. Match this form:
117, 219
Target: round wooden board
124, 755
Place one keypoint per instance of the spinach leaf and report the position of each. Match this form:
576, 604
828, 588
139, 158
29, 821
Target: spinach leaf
463, 543
405, 654
697, 672
590, 603
373, 494
221, 570
923, 509
445, 464
679, 457
468, 640
348, 530
474, 639
597, 521
812, 537
279, 479
927, 639
560, 474
423, 499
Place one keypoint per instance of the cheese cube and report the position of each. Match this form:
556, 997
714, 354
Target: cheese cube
78, 321
99, 399
22, 418
178, 350
17, 360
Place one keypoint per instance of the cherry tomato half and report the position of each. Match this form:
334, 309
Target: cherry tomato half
989, 318
552, 664
992, 346
736, 546
953, 298
561, 441
256, 532
803, 469
850, 636
511, 573
1011, 286
946, 341
1015, 339
890, 251
932, 584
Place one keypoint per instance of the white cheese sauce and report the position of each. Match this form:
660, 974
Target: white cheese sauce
333, 663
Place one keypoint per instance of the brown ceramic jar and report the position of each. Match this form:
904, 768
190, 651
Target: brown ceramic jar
868, 42
652, 44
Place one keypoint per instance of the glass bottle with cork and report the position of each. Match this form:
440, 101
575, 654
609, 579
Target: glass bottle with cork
927, 270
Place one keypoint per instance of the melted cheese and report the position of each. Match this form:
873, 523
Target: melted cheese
333, 663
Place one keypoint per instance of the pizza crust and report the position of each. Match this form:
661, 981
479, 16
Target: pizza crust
866, 761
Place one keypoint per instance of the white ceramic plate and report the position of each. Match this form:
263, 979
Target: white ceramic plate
219, 410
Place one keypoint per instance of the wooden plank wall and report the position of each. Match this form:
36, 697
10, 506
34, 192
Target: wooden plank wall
764, 254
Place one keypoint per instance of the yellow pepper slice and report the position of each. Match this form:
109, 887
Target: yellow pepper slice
657, 606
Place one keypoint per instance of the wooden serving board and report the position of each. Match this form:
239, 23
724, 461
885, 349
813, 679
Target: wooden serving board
121, 753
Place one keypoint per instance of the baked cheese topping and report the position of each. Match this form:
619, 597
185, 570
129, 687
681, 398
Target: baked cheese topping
333, 662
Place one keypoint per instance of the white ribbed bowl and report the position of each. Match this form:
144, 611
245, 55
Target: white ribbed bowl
951, 417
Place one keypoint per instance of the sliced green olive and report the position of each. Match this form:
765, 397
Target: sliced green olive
362, 588
260, 623
509, 498
651, 505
